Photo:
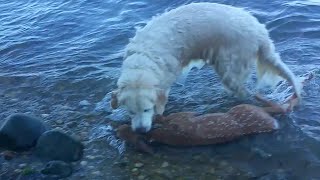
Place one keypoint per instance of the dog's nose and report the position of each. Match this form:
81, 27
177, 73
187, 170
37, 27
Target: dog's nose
141, 130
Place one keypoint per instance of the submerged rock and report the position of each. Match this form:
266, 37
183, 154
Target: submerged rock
21, 132
187, 129
57, 145
57, 169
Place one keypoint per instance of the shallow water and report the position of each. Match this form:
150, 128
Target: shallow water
55, 54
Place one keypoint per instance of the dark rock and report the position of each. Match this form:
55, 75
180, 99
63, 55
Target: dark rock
57, 169
21, 132
57, 145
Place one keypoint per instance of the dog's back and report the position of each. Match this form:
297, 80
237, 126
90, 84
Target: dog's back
228, 38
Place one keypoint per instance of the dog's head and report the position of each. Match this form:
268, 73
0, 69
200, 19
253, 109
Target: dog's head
141, 103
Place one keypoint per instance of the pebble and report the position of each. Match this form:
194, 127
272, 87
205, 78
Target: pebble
212, 171
14, 99
135, 171
90, 157
58, 169
59, 122
8, 155
86, 124
27, 171
165, 164
141, 177
223, 163
97, 173
17, 170
164, 173
84, 103
44, 115
22, 165
138, 165
196, 157
83, 163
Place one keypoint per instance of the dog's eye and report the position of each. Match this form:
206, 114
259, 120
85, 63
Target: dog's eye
146, 110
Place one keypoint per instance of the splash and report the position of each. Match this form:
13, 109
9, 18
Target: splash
283, 90
107, 132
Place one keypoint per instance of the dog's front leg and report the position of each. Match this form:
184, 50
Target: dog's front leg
160, 108
161, 101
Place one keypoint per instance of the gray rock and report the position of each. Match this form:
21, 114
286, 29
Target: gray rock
57, 145
57, 169
21, 132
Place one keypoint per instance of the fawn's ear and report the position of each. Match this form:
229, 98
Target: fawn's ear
114, 99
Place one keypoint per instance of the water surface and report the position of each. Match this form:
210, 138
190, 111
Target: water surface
56, 53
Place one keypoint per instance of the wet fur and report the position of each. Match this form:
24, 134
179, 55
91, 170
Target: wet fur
227, 38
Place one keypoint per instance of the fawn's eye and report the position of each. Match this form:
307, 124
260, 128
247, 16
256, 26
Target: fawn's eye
147, 110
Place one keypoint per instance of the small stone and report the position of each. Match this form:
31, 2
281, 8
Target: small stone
27, 171
138, 165
212, 171
165, 164
122, 163
14, 99
83, 163
8, 155
59, 122
135, 171
141, 177
91, 167
57, 145
86, 124
20, 132
44, 115
90, 157
17, 170
84, 103
97, 173
223, 163
22, 165
58, 169
196, 157
165, 173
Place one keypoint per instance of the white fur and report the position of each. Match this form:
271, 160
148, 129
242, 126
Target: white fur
228, 38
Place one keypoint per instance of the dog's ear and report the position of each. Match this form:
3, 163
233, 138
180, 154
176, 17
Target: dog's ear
114, 99
161, 101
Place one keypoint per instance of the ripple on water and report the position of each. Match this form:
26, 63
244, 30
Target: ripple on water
55, 53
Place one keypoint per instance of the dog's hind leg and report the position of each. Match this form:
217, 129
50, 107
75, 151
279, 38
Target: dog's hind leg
234, 74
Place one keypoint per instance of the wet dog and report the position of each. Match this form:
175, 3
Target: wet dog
227, 38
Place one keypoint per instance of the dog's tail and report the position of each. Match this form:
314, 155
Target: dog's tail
270, 68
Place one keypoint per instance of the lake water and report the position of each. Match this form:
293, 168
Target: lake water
60, 58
